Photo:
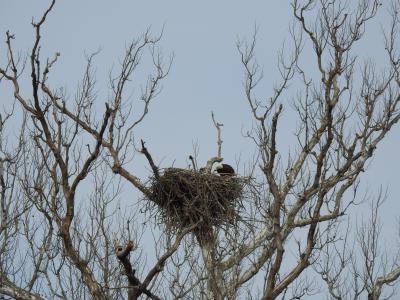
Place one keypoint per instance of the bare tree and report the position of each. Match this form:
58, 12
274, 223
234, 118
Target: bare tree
59, 241
362, 267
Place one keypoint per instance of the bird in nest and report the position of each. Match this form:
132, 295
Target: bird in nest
224, 170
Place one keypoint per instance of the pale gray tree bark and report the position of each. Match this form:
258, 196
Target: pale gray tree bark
91, 248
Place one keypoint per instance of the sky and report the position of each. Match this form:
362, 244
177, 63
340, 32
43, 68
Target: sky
206, 74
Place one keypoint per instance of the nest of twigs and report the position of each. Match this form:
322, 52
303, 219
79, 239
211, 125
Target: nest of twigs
188, 198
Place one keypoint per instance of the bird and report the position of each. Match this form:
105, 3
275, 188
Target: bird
224, 170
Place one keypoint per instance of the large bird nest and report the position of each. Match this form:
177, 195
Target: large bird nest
189, 198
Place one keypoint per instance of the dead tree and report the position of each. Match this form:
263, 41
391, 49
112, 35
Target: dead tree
80, 244
341, 122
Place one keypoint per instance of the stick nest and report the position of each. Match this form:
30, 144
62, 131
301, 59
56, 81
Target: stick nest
188, 198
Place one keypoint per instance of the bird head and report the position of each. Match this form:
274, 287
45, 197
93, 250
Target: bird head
219, 166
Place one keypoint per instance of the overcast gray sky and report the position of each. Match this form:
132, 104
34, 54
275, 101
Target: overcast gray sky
206, 74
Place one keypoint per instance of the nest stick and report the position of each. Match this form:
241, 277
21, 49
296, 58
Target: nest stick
219, 140
217, 158
150, 159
